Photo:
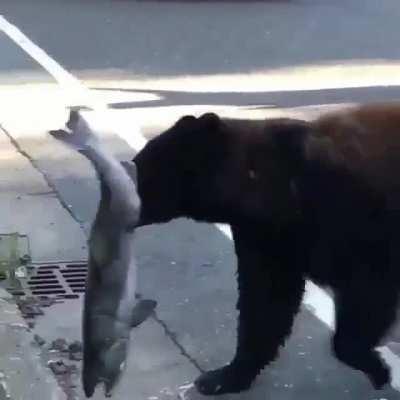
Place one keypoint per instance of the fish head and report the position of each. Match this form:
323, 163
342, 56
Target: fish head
106, 367
113, 361
106, 346
104, 355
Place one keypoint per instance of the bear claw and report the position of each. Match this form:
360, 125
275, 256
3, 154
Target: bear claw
381, 378
228, 379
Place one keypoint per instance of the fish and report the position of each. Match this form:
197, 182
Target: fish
110, 308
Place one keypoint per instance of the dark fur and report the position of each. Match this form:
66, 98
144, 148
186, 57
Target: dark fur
315, 200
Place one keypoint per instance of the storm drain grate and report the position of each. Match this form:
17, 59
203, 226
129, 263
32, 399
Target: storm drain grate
63, 280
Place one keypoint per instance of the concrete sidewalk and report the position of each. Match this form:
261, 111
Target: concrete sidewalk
28, 205
22, 373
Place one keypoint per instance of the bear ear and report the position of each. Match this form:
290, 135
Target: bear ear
199, 140
207, 122
210, 121
186, 121
289, 136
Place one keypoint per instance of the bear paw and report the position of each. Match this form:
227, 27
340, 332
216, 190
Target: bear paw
380, 378
228, 379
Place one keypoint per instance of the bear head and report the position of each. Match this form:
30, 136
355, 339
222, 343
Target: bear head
221, 170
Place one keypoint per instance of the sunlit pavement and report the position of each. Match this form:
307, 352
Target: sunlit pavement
151, 62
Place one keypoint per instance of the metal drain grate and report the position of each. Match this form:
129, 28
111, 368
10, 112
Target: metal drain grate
63, 280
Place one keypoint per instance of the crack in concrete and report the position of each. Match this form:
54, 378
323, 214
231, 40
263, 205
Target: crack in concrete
46, 178
172, 336
46, 193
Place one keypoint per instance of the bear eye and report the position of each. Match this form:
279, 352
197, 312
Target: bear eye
253, 174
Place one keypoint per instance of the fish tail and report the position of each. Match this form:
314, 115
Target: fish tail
80, 136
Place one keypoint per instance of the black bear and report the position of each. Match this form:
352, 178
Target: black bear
313, 200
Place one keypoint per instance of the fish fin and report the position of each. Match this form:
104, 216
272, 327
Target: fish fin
142, 310
130, 168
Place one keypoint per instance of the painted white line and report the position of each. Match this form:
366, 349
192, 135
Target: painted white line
66, 80
76, 93
62, 77
325, 311
316, 299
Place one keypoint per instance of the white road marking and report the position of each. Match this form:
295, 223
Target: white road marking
316, 300
63, 77
76, 92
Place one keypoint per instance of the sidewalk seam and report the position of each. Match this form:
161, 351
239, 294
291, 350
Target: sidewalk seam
172, 336
46, 178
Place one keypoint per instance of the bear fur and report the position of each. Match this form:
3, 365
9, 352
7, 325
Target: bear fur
315, 200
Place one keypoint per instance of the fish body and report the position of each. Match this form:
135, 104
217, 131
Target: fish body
110, 305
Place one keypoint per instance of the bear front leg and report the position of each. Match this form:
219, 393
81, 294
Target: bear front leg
271, 286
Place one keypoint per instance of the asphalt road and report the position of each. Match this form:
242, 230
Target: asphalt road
252, 57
